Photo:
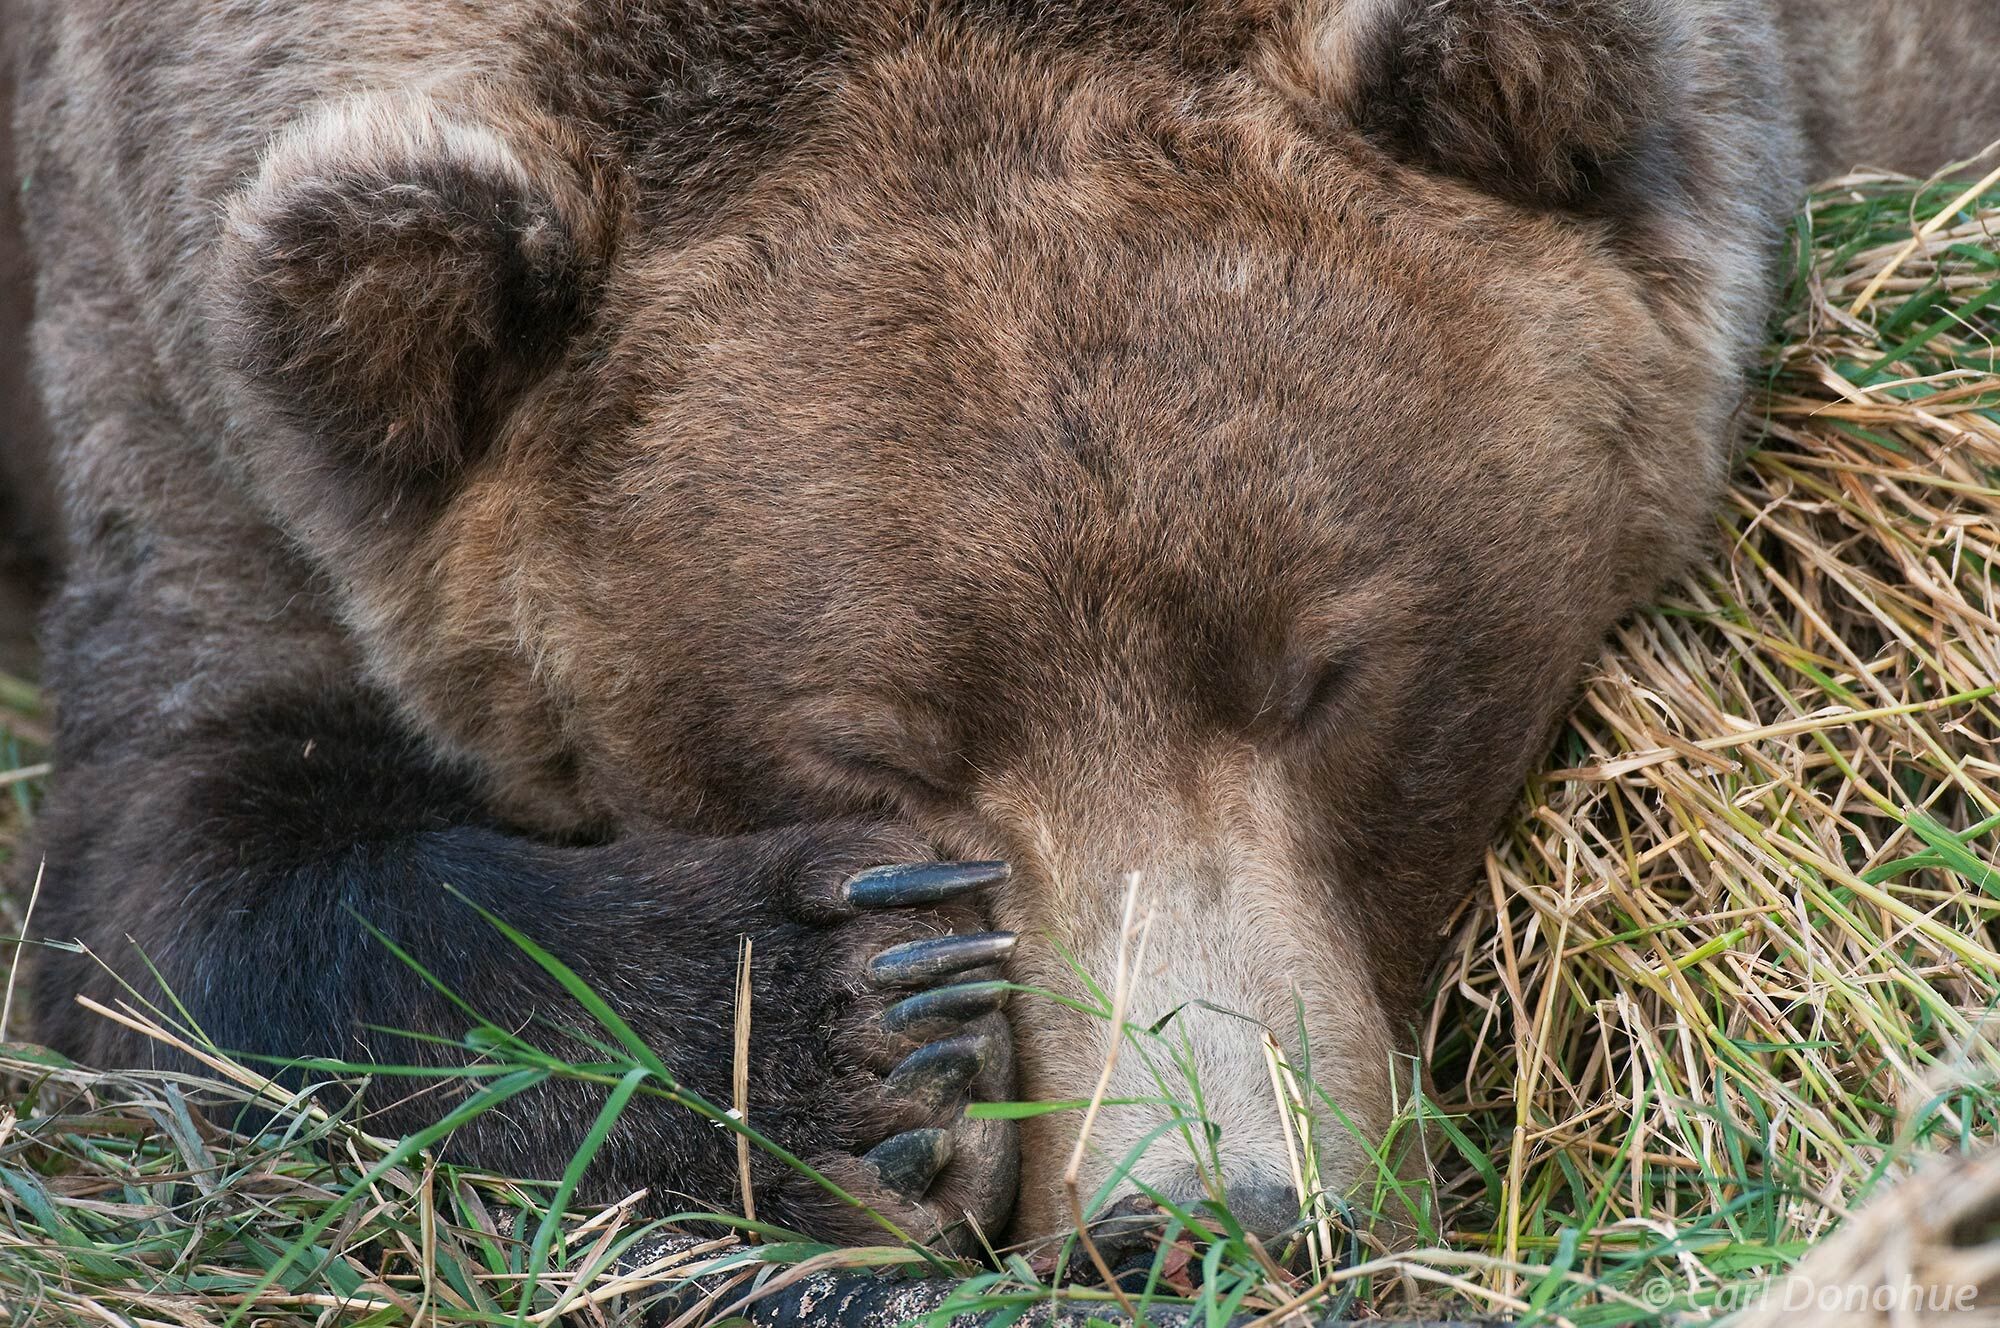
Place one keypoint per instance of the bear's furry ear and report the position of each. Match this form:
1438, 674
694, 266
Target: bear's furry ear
1536, 100
399, 269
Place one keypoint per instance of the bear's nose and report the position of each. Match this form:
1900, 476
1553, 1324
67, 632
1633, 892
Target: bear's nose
1264, 1204
1264, 1207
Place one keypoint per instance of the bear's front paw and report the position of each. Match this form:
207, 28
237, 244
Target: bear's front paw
922, 1034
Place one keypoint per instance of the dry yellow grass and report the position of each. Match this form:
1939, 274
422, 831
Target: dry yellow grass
1737, 957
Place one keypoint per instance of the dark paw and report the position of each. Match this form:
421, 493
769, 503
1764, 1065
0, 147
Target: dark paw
927, 1029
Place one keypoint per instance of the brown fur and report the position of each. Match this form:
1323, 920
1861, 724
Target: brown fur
1906, 86
1202, 441
27, 518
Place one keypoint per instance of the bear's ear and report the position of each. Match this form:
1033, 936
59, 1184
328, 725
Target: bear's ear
400, 269
1542, 101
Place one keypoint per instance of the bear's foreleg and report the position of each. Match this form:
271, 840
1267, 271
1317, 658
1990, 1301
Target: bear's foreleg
259, 865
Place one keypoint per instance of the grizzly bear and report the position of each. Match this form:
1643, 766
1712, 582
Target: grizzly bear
874, 477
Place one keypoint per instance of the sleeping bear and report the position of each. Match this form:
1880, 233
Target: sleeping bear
874, 477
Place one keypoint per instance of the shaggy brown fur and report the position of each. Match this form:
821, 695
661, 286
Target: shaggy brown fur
640, 462
27, 523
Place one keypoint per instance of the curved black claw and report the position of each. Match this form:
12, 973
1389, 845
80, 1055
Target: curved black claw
906, 885
941, 1012
932, 1078
917, 962
908, 1162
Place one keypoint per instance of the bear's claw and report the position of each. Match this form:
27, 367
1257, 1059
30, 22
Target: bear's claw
934, 1077
908, 1162
916, 962
930, 1015
909, 884
925, 1030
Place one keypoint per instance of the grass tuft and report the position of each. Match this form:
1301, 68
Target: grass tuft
1735, 962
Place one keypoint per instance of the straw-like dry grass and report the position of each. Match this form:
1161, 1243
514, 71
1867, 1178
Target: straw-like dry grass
1738, 954
1730, 972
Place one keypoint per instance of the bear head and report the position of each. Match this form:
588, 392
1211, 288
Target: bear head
1189, 457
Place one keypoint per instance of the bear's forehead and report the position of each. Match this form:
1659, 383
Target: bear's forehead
1212, 413
1028, 351
1198, 358
1012, 241
696, 97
